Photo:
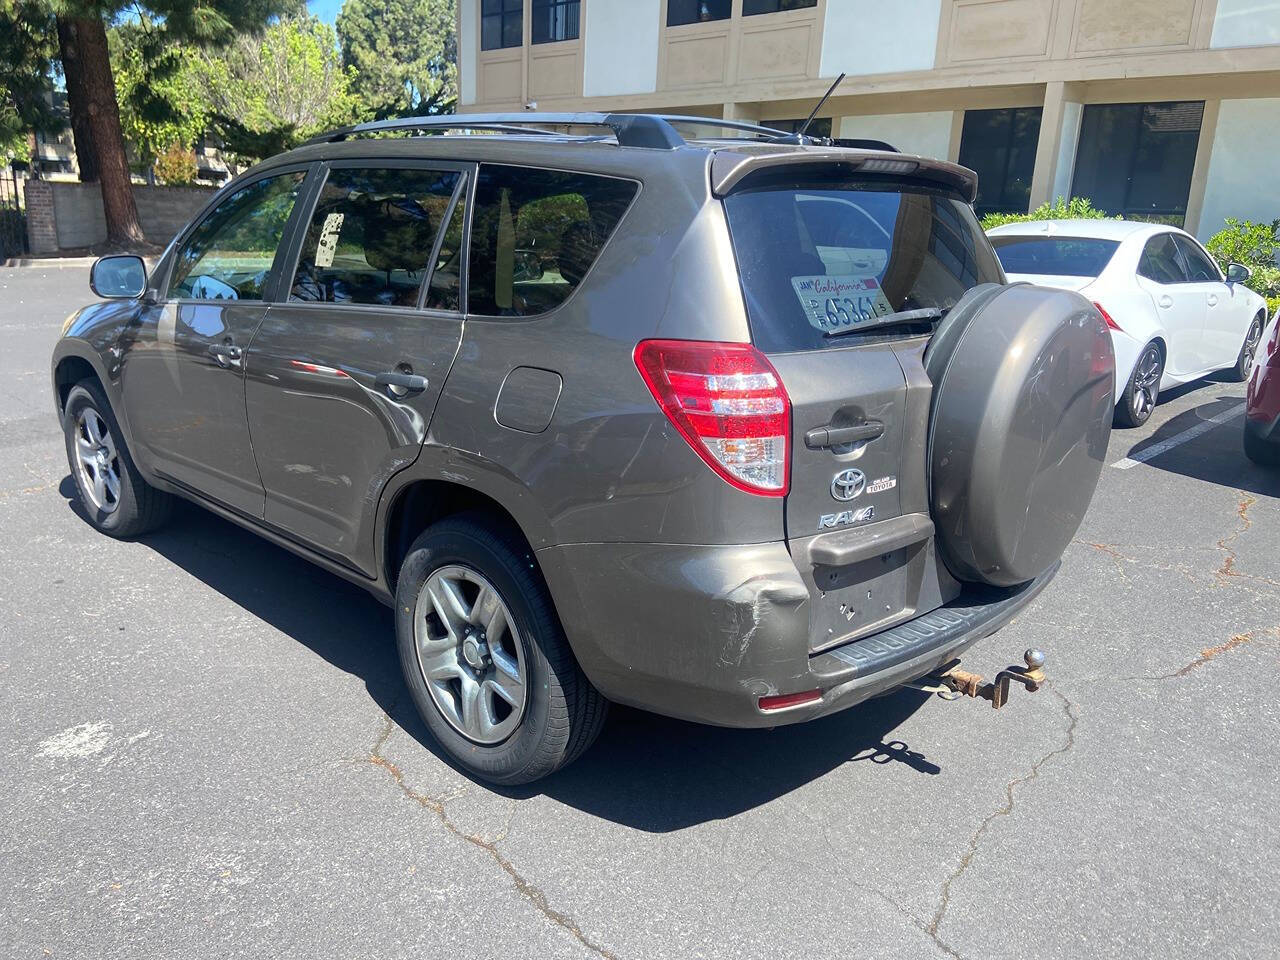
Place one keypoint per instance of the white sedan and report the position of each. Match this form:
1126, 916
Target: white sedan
1173, 316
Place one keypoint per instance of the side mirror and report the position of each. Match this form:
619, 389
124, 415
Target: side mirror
118, 278
1238, 273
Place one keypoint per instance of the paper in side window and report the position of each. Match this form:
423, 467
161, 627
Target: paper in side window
328, 244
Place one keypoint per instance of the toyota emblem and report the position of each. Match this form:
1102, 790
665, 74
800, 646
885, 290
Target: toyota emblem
848, 484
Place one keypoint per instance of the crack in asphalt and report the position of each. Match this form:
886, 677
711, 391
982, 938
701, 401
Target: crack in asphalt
436, 805
1119, 559
1227, 571
1205, 655
1003, 811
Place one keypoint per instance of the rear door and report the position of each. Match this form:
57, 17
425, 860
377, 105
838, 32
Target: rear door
1180, 304
345, 370
826, 267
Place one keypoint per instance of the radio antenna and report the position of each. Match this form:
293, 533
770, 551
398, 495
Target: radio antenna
825, 97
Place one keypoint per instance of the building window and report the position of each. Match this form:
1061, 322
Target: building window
502, 24
555, 20
1136, 159
1000, 146
696, 11
752, 7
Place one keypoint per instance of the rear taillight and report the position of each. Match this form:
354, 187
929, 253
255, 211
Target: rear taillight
1107, 317
729, 404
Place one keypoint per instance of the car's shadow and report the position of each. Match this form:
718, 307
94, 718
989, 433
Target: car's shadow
647, 772
1215, 456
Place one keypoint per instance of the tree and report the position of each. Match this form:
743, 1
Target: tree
160, 89
26, 68
95, 96
405, 54
267, 93
91, 93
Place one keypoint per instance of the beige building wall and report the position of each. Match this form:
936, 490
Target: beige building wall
1241, 169
927, 133
915, 67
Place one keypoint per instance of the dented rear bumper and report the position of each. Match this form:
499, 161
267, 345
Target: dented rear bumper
703, 632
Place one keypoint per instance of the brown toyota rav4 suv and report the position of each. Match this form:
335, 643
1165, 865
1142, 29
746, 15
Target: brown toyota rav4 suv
743, 428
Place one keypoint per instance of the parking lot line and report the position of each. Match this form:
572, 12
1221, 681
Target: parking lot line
1179, 438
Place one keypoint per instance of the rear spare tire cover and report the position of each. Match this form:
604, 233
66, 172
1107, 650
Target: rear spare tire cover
1023, 379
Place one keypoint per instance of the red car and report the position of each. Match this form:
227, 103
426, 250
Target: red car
1262, 408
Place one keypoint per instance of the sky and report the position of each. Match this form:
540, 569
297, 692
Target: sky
326, 10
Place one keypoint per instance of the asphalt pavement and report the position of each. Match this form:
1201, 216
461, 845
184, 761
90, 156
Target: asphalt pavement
206, 751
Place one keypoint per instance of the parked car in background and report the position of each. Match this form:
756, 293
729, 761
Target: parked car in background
685, 425
1173, 315
1262, 404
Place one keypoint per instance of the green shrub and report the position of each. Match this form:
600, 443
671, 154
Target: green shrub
176, 167
1077, 208
1245, 241
1255, 245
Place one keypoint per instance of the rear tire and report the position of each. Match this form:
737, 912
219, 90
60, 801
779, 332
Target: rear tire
113, 494
1244, 363
485, 657
1143, 390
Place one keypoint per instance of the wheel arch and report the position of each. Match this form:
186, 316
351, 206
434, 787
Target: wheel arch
422, 501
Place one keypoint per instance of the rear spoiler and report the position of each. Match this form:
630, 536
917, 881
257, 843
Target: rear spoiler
730, 167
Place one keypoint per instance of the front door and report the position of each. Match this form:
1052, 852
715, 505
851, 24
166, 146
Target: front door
345, 370
184, 378
1227, 313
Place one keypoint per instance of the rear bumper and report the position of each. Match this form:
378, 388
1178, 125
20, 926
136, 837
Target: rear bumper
702, 632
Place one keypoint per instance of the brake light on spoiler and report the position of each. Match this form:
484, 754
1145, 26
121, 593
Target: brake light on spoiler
728, 403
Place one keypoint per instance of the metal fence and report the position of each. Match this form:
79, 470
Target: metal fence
13, 216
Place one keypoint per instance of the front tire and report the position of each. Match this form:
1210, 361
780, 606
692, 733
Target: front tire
1143, 390
115, 497
1244, 363
485, 657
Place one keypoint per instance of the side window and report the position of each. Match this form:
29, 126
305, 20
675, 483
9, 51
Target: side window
1160, 261
229, 255
371, 236
1200, 268
535, 234
445, 290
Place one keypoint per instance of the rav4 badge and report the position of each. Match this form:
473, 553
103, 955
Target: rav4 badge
846, 517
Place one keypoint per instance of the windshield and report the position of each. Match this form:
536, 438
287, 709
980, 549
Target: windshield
835, 258
1055, 256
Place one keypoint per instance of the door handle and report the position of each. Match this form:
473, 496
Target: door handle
227, 354
1165, 301
1213, 299
404, 382
821, 437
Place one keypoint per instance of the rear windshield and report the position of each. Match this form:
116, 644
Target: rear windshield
825, 263
1055, 256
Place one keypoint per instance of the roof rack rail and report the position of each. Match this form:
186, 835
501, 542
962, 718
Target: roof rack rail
655, 131
631, 129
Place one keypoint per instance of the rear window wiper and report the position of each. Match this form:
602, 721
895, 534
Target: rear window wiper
924, 314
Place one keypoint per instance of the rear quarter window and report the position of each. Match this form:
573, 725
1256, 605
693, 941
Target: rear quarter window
535, 234
817, 259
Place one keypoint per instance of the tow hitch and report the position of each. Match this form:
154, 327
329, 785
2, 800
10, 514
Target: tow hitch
954, 683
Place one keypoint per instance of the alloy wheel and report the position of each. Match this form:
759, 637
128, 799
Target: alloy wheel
470, 654
97, 460
1146, 382
1250, 346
